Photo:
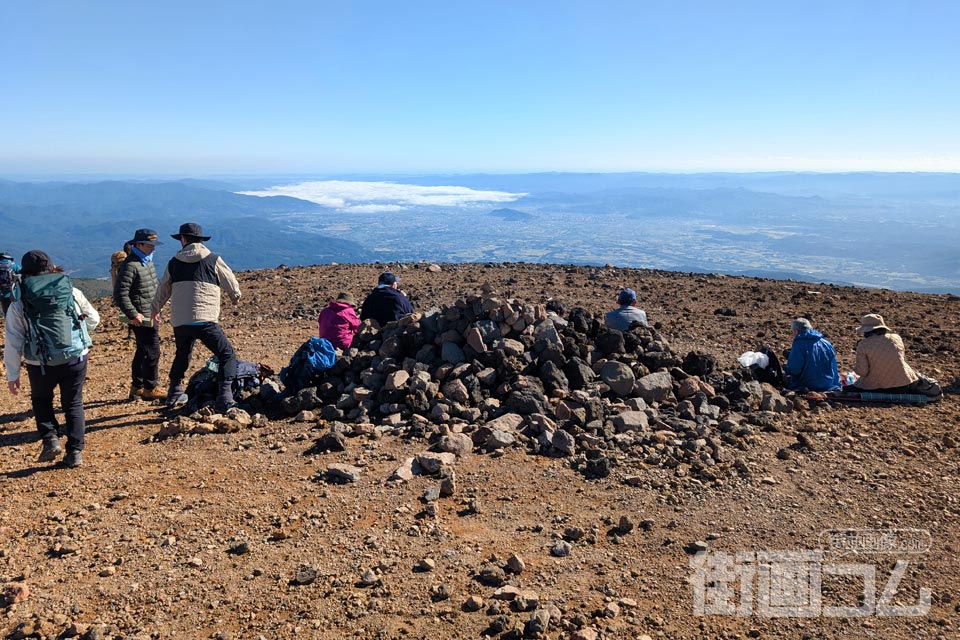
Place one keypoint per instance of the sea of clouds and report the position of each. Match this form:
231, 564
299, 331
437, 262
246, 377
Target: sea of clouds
375, 197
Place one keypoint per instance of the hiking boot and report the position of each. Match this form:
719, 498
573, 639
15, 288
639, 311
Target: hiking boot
153, 394
72, 460
51, 450
135, 392
224, 397
176, 396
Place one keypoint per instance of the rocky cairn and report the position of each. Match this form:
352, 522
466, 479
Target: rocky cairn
487, 373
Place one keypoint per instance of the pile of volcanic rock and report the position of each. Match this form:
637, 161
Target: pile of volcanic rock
509, 373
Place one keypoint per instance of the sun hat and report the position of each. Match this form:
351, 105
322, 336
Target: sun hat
626, 296
191, 229
145, 236
346, 296
870, 322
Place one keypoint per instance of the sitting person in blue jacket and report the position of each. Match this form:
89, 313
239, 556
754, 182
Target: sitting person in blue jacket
812, 364
386, 303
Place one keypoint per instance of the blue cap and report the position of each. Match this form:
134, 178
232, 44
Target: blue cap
387, 278
627, 296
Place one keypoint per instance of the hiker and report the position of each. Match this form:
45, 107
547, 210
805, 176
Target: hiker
812, 364
9, 275
628, 312
338, 321
880, 361
192, 282
386, 303
50, 327
133, 293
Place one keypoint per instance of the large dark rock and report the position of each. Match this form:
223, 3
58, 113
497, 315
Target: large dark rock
580, 320
699, 364
553, 378
527, 397
578, 374
610, 341
618, 377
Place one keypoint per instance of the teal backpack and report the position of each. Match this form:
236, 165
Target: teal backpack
56, 334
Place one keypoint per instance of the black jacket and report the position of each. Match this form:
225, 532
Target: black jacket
385, 304
136, 287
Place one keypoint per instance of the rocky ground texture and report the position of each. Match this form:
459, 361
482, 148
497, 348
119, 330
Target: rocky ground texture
497, 465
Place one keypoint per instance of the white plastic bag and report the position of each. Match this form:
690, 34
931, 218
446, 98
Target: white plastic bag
751, 358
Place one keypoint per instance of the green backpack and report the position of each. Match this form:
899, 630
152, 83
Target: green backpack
56, 334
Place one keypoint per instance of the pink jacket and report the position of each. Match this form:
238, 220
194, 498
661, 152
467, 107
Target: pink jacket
338, 323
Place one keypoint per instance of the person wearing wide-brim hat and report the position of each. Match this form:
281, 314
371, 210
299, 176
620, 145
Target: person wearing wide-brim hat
192, 283
880, 363
133, 292
338, 321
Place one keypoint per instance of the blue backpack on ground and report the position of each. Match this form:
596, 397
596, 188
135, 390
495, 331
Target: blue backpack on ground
314, 356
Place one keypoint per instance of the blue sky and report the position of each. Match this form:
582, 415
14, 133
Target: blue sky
216, 87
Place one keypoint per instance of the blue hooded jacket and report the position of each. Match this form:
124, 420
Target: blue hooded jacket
812, 363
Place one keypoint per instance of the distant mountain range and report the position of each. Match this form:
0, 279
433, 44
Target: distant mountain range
897, 230
510, 214
81, 224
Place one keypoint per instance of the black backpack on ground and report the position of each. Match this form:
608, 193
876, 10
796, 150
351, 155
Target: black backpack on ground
772, 373
203, 386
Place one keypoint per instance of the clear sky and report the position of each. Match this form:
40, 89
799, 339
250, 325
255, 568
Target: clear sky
212, 87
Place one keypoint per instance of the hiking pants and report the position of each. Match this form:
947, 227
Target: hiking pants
213, 338
146, 358
69, 378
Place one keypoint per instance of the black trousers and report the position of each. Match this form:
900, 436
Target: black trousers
213, 338
69, 378
146, 358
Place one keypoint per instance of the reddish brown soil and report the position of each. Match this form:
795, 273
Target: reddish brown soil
137, 539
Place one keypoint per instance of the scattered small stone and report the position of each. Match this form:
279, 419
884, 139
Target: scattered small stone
239, 549
440, 592
305, 575
516, 564
697, 546
426, 565
561, 549
13, 593
492, 575
369, 577
473, 603
342, 473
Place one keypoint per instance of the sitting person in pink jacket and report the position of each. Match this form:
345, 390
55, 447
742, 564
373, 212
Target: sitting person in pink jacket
339, 322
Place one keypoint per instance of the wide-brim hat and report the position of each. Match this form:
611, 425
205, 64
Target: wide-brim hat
346, 296
145, 236
191, 229
870, 322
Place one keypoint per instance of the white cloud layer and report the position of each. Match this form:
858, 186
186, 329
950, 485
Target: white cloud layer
375, 197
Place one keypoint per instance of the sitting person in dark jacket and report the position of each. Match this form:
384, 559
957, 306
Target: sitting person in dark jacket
386, 303
812, 364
